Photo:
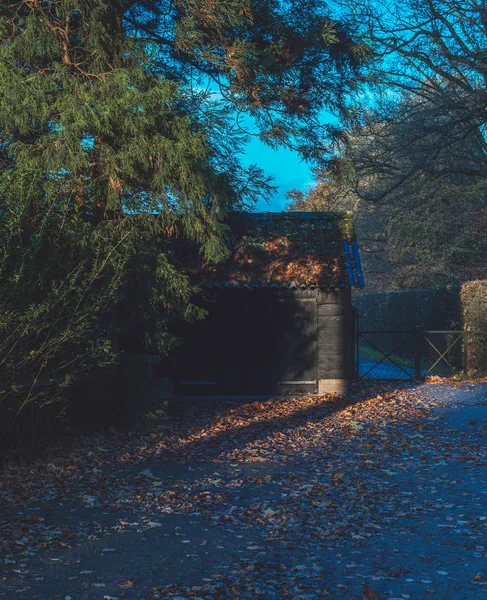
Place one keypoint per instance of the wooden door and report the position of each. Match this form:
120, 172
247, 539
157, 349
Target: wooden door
296, 343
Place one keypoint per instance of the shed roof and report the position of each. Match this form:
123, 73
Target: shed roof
287, 250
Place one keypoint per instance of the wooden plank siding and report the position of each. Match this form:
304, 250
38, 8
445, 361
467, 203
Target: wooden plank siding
335, 336
274, 341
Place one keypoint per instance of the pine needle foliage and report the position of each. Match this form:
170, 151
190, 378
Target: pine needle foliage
118, 136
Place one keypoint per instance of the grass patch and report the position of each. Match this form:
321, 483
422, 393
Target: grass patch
371, 354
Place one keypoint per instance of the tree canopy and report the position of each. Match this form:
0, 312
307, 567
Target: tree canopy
121, 124
412, 160
415, 229
431, 69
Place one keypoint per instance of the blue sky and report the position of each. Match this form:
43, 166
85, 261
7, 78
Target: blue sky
287, 168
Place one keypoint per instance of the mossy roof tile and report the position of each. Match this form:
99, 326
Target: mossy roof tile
287, 249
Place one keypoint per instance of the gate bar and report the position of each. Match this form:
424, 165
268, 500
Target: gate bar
417, 354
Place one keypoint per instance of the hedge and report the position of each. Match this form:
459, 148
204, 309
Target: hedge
473, 295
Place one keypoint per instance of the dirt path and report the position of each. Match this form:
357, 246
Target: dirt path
383, 496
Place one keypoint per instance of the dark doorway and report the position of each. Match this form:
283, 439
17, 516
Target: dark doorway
251, 343
246, 343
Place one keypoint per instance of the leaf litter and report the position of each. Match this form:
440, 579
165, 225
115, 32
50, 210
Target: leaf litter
331, 482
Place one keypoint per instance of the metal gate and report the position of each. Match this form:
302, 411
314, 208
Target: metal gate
443, 353
409, 354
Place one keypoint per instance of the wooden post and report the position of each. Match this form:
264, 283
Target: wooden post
355, 345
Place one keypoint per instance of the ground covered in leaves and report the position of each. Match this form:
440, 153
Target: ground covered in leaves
380, 496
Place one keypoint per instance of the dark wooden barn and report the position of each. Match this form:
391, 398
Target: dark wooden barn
280, 314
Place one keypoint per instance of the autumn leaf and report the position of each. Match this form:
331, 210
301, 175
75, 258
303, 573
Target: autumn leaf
369, 593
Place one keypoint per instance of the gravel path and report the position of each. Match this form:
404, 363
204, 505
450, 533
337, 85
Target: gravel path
382, 496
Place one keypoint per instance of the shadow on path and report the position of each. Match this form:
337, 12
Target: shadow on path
399, 510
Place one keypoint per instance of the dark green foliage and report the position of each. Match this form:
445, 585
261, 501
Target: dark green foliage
474, 308
113, 145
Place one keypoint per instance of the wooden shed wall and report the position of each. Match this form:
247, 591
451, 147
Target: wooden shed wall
335, 337
267, 342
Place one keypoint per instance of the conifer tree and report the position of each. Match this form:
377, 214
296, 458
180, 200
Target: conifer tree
120, 131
